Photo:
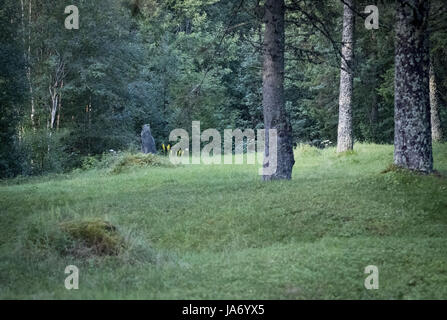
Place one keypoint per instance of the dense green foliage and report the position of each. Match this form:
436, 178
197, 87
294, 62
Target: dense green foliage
12, 88
168, 63
218, 232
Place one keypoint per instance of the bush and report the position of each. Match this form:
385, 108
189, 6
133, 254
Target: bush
42, 151
89, 162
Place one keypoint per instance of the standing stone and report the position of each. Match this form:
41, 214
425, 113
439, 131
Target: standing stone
147, 141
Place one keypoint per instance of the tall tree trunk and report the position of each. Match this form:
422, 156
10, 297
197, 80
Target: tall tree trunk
345, 140
33, 108
273, 91
59, 111
27, 56
412, 129
374, 113
374, 117
436, 130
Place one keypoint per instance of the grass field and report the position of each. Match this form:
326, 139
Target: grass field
218, 232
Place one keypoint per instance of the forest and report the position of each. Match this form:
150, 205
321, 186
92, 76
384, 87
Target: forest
70, 94
356, 91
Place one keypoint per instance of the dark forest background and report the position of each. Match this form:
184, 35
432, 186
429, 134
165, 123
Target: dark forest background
68, 94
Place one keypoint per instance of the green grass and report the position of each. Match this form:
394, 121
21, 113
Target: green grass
218, 232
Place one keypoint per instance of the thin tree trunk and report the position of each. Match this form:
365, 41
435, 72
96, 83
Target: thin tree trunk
55, 87
88, 111
345, 140
273, 91
33, 109
436, 130
374, 114
54, 105
27, 56
412, 133
374, 117
58, 121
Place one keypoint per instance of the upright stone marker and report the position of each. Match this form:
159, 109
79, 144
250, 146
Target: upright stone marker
147, 141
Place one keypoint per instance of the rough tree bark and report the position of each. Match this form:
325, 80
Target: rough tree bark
345, 140
436, 130
412, 129
273, 90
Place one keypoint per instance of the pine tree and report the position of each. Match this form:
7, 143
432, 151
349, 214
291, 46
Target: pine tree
412, 135
273, 90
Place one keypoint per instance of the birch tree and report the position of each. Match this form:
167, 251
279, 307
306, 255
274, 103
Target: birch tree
436, 130
26, 36
345, 140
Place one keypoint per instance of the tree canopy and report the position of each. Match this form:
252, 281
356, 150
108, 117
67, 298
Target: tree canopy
67, 94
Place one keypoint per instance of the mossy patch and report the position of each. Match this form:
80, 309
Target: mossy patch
94, 236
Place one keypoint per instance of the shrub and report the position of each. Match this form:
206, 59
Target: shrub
89, 162
42, 151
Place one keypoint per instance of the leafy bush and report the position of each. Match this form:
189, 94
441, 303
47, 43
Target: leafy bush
42, 151
89, 162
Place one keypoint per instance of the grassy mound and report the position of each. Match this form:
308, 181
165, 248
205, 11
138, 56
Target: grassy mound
86, 240
139, 160
94, 236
